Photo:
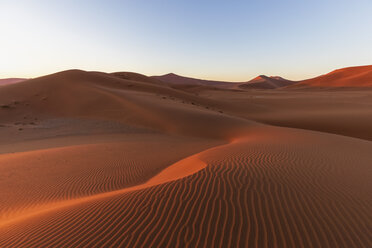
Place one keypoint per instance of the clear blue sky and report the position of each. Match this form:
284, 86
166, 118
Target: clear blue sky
219, 39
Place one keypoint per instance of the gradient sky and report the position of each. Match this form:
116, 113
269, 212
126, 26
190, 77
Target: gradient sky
224, 40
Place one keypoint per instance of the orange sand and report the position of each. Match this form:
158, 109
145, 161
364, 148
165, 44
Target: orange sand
89, 159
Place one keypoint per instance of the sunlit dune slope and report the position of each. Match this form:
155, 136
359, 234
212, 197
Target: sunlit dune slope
359, 76
274, 188
50, 175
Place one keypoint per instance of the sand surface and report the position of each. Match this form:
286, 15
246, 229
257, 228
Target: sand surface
89, 159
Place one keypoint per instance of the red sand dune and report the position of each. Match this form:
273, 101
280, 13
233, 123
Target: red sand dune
265, 82
120, 160
359, 76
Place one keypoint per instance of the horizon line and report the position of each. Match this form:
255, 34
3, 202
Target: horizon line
185, 76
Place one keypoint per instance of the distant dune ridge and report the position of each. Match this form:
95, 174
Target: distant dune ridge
6, 81
265, 82
93, 159
358, 76
176, 79
260, 82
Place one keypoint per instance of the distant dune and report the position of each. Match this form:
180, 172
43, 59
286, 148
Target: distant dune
359, 76
265, 82
260, 82
6, 81
137, 77
93, 159
77, 93
172, 78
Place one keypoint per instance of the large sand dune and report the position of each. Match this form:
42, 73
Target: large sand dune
351, 77
89, 159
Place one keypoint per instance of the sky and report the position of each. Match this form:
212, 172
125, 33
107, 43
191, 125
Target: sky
222, 40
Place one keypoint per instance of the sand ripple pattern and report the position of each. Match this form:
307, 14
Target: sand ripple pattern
251, 194
32, 179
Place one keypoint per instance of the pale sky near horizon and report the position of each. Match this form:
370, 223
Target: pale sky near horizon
221, 40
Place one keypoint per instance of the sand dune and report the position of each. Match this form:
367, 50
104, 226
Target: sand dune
81, 170
265, 82
122, 160
257, 191
174, 79
137, 77
260, 82
359, 76
101, 96
350, 77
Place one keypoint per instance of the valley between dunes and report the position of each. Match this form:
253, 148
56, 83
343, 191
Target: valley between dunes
91, 159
